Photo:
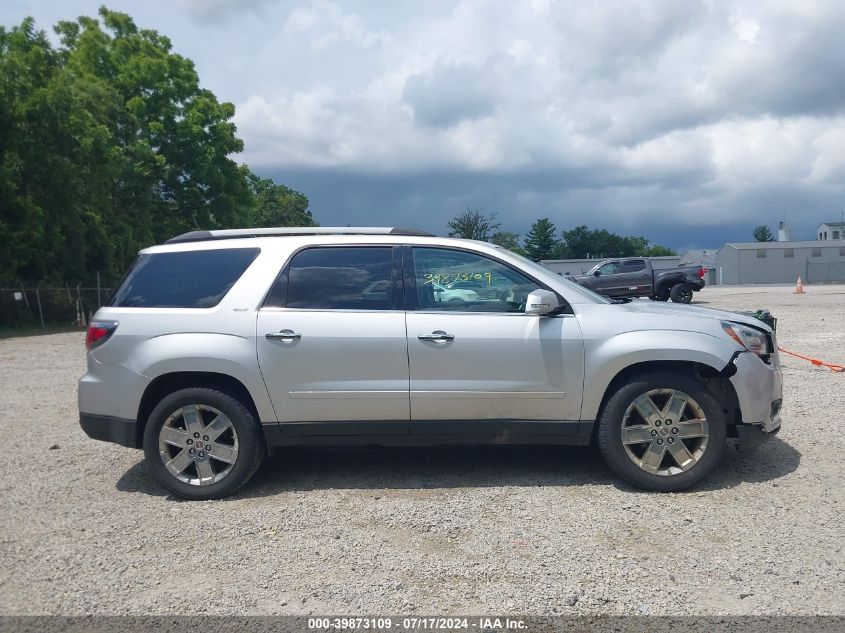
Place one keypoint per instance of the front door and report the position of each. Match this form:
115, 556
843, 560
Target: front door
609, 280
331, 343
478, 363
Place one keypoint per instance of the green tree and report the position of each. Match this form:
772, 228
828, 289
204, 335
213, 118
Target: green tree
508, 240
30, 131
657, 251
473, 224
631, 245
541, 241
763, 233
108, 143
277, 205
583, 242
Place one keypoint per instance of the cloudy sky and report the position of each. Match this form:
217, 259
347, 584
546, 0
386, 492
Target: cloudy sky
687, 122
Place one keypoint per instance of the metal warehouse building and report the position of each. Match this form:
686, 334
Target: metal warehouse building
780, 262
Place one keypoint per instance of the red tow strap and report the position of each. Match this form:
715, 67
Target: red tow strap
815, 361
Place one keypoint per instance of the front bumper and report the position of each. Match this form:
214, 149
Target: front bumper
749, 437
110, 429
759, 390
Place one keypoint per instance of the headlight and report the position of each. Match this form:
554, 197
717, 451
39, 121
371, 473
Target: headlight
751, 339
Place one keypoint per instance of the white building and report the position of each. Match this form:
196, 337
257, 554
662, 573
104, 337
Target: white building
780, 262
704, 258
831, 231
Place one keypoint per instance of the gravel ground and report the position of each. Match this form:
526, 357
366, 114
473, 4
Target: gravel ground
86, 529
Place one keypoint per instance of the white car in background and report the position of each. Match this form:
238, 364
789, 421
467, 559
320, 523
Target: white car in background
442, 293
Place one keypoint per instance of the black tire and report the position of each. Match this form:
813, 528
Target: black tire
250, 440
609, 437
681, 293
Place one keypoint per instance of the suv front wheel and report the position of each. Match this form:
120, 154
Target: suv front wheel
662, 432
202, 443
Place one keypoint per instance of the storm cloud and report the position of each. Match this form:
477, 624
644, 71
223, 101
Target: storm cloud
686, 122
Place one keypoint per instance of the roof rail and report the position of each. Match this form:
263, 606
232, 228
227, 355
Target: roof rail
229, 234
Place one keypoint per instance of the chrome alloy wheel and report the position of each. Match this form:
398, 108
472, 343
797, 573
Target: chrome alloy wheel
665, 432
198, 445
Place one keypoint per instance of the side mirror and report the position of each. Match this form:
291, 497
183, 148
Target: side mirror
541, 302
597, 273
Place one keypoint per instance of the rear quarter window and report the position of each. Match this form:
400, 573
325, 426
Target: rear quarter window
187, 279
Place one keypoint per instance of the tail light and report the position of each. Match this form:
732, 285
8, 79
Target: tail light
701, 272
99, 332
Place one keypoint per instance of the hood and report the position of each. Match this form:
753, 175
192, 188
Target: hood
676, 309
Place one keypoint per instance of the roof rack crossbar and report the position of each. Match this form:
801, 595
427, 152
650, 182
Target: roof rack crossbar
228, 234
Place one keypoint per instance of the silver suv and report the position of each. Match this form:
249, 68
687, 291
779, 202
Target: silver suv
220, 344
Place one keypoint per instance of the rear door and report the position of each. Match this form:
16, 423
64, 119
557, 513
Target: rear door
635, 277
332, 342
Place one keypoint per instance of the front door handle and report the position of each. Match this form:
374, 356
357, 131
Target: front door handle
283, 335
438, 336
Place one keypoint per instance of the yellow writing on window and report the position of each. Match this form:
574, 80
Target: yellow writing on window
450, 278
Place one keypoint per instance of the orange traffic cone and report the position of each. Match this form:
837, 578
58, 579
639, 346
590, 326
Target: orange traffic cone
799, 288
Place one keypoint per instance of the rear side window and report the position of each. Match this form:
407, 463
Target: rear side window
188, 279
336, 278
633, 266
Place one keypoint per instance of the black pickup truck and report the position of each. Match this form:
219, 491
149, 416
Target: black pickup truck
635, 277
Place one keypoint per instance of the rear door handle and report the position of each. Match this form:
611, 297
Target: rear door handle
438, 336
283, 335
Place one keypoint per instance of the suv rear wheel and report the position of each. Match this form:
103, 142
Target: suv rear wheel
662, 432
202, 443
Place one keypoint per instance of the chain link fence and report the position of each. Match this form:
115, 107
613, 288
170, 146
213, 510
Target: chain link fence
49, 307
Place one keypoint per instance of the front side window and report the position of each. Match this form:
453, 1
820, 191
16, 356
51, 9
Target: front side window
184, 279
336, 278
610, 268
468, 282
633, 266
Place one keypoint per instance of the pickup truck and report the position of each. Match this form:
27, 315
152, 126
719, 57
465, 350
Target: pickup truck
635, 277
